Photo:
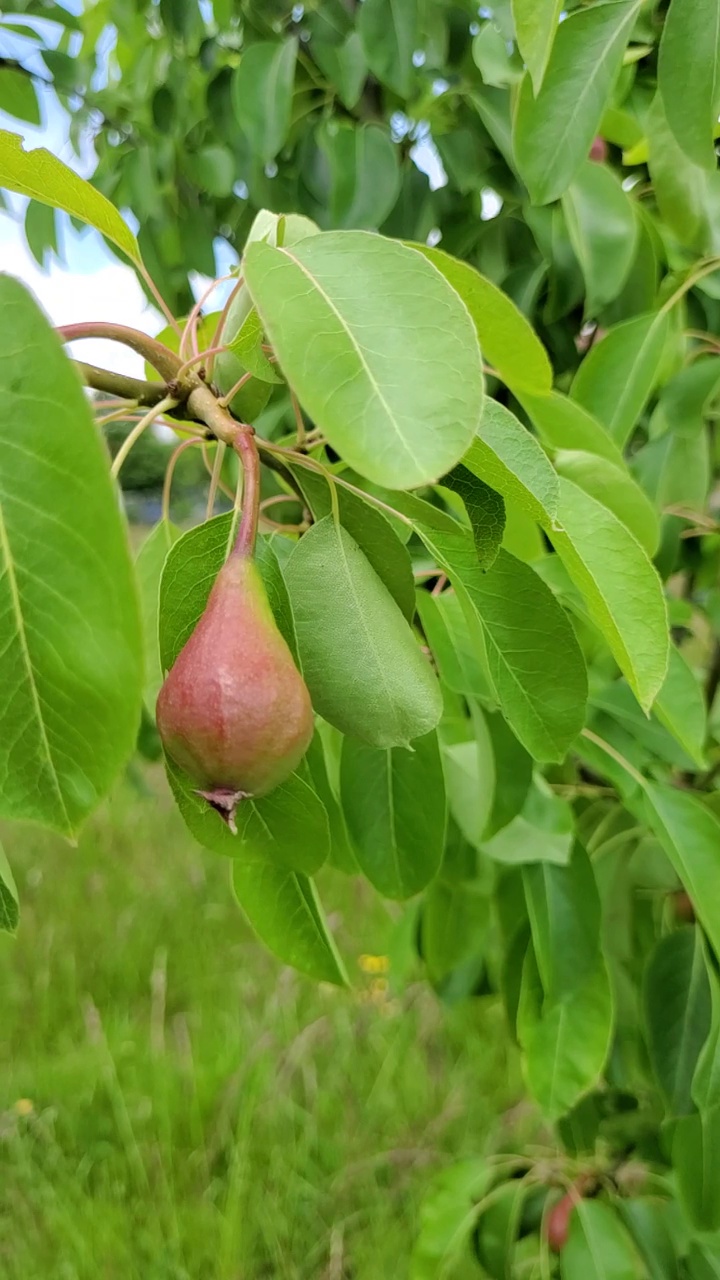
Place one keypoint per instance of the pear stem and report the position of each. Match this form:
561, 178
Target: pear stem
245, 447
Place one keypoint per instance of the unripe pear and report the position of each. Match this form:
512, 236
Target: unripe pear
234, 711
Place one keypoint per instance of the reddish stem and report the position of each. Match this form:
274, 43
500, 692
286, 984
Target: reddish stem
156, 353
244, 445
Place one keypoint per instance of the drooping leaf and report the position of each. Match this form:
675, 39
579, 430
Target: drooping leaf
680, 707
70, 642
677, 1013
553, 130
617, 377
603, 231
689, 76
509, 459
620, 586
563, 906
394, 805
615, 488
361, 662
513, 769
285, 912
507, 340
389, 35
41, 175
262, 95
456, 921
383, 401
689, 832
485, 509
364, 173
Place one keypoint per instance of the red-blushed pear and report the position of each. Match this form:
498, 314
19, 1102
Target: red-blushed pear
234, 711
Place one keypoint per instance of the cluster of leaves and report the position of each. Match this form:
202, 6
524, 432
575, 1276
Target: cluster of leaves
548, 534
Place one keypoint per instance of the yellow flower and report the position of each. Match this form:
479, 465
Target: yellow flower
374, 964
24, 1107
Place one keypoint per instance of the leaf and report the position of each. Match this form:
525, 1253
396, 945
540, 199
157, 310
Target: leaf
689, 832
364, 173
507, 339
344, 65
598, 1246
603, 232
485, 509
563, 906
620, 586
543, 831
680, 707
490, 55
390, 35
70, 643
394, 806
39, 174
456, 922
339, 309
17, 95
553, 131
361, 662
513, 765
247, 346
284, 910
447, 1217
373, 533
676, 997
286, 828
498, 1228
470, 781
262, 92
563, 424
646, 1221
615, 488
696, 1161
685, 192
536, 25
459, 658
149, 564
9, 912
509, 459
617, 377
689, 76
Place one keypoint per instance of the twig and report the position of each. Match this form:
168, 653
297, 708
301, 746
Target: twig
137, 431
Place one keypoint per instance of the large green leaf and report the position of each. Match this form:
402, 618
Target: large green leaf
41, 175
689, 76
362, 664
603, 231
598, 1245
536, 23
620, 586
507, 340
617, 377
285, 912
9, 911
262, 95
70, 641
364, 174
690, 835
553, 131
366, 331
680, 707
563, 906
389, 34
509, 459
685, 192
615, 488
394, 805
677, 1014
696, 1161
459, 656
563, 424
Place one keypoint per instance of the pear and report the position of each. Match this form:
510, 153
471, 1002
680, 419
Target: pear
234, 711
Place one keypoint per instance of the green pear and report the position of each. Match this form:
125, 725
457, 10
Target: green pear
234, 711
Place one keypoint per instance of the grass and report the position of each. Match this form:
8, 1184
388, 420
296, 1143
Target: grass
174, 1105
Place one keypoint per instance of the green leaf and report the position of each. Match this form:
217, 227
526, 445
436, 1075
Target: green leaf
553, 131
470, 780
498, 1228
284, 910
536, 24
677, 1014
563, 424
563, 906
490, 55
685, 192
364, 173
70, 642
696, 1161
509, 459
543, 831
40, 230
680, 707
390, 35
371, 530
620, 586
262, 95
689, 76
454, 645
598, 1245
41, 175
317, 759
690, 835
513, 765
247, 346
447, 1217
149, 564
344, 65
617, 377
615, 488
603, 232
17, 95
507, 339
361, 662
647, 1222
456, 922
485, 510
387, 405
394, 806
9, 912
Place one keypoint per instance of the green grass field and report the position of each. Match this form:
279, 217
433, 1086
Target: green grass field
174, 1103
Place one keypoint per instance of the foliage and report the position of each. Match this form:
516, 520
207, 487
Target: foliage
499, 567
